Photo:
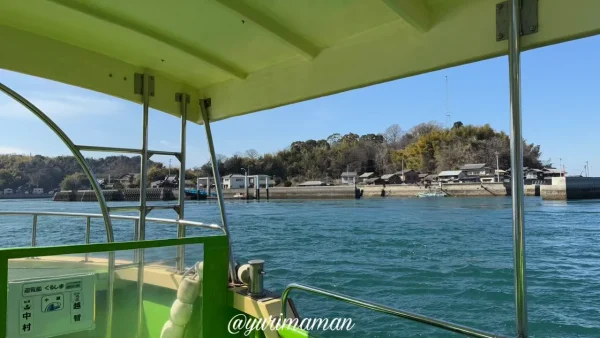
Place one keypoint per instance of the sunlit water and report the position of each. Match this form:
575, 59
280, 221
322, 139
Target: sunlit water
449, 258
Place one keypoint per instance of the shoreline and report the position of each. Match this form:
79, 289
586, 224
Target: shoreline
310, 193
24, 196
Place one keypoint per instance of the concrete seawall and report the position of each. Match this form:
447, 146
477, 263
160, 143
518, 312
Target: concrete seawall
326, 192
321, 192
571, 188
24, 196
457, 190
152, 194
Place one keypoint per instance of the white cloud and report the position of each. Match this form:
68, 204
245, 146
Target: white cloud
11, 150
163, 142
60, 104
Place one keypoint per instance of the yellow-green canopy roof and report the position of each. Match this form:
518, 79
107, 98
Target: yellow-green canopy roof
250, 55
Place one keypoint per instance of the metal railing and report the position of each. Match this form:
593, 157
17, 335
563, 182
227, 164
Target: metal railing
386, 309
88, 221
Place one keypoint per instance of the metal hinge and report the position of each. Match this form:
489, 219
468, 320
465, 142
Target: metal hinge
529, 18
138, 84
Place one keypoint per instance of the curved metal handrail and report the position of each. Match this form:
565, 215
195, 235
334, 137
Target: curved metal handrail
94, 183
385, 309
74, 150
88, 216
124, 217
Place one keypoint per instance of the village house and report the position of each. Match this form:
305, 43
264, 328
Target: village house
349, 177
391, 179
533, 174
170, 181
409, 176
127, 179
365, 176
552, 172
451, 176
8, 191
476, 169
375, 181
38, 191
536, 176
233, 181
428, 179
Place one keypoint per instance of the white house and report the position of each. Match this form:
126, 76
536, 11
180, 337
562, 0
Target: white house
262, 179
8, 191
38, 191
349, 177
233, 181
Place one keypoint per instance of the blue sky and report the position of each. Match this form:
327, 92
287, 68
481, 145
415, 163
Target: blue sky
561, 111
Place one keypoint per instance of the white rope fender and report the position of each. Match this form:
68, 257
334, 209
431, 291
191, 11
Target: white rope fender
181, 310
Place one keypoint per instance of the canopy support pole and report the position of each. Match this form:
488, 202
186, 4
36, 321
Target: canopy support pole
183, 101
143, 186
75, 150
516, 159
218, 185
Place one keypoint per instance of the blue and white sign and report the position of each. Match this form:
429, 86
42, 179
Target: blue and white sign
51, 307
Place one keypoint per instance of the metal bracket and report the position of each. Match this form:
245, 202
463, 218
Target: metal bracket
205, 102
138, 84
529, 18
179, 95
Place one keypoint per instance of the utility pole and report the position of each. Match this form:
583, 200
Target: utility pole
587, 169
246, 183
561, 167
497, 167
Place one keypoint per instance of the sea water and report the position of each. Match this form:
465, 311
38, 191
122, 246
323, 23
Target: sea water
449, 258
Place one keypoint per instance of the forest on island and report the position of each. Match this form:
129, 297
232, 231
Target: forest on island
427, 148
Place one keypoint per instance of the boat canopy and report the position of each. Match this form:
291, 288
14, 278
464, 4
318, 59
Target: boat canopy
251, 55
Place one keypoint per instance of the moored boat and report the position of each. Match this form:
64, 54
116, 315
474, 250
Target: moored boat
432, 194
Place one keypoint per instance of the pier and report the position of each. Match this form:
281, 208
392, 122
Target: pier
571, 188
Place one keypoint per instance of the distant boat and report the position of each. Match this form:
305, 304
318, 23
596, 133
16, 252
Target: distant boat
195, 194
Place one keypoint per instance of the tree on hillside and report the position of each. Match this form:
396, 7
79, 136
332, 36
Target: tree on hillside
457, 124
74, 182
392, 136
252, 153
